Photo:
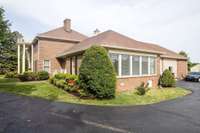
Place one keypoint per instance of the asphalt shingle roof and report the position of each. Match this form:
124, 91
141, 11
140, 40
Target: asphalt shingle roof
112, 39
61, 34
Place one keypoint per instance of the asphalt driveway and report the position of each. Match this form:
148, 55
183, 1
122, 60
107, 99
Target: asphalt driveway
20, 114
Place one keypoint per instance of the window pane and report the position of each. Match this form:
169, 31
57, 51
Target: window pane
115, 60
152, 65
46, 62
46, 69
144, 65
125, 65
46, 65
136, 65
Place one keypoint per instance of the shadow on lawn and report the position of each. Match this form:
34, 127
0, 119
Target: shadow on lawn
8, 80
17, 88
30, 89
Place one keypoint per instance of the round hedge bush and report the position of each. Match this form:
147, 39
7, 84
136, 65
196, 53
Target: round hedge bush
97, 75
43, 75
167, 79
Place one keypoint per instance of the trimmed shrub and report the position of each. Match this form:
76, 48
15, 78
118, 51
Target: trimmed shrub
28, 76
167, 79
43, 75
71, 77
11, 75
60, 76
55, 81
97, 76
66, 76
60, 83
51, 80
67, 82
141, 90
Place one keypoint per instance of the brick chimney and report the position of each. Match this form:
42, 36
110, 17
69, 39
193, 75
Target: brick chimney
67, 25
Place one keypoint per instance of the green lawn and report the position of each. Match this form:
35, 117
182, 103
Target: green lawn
5, 80
50, 92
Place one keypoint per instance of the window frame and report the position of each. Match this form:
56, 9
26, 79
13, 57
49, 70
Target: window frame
139, 72
46, 66
154, 64
131, 54
129, 69
148, 66
117, 71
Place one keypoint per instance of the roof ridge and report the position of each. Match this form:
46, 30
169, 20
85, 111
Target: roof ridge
50, 31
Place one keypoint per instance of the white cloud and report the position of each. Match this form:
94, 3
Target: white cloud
173, 23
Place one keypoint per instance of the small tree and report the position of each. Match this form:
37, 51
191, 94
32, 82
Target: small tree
167, 79
97, 75
189, 63
8, 47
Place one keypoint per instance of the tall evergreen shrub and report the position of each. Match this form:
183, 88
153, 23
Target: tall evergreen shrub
97, 75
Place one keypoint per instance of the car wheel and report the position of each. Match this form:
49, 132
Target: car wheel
199, 80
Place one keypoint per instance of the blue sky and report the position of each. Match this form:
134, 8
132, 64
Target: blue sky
174, 24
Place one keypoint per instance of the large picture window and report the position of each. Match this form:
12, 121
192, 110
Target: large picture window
125, 65
133, 65
47, 66
136, 65
115, 61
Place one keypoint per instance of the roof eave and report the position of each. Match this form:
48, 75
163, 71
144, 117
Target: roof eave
134, 49
174, 57
64, 55
113, 47
57, 39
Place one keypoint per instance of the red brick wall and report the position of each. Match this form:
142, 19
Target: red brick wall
124, 84
48, 50
182, 69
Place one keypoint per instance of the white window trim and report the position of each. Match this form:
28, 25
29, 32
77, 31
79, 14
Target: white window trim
131, 54
120, 65
49, 65
140, 65
149, 66
130, 65
155, 66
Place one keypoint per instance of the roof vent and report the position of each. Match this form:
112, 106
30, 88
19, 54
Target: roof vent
96, 31
67, 25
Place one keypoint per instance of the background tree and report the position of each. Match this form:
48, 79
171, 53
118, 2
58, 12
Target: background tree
190, 64
8, 48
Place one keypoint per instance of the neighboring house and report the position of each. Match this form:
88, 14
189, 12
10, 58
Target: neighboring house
195, 68
61, 50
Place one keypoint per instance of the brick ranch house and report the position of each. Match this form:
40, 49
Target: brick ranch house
61, 50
